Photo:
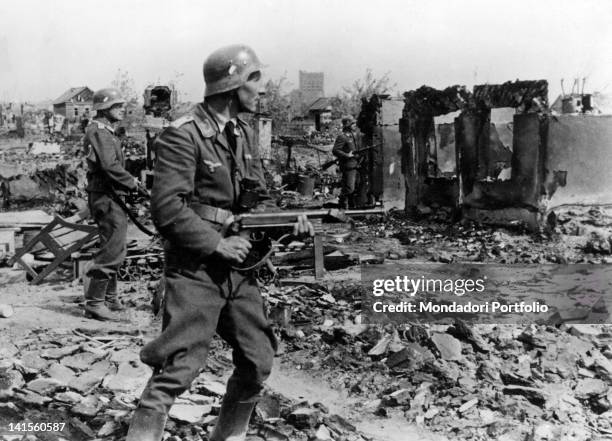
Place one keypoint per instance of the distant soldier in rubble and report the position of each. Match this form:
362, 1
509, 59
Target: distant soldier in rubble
345, 148
107, 180
205, 159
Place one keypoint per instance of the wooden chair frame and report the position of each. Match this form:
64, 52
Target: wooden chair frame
61, 237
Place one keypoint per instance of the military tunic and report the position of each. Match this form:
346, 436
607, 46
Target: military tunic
347, 142
106, 173
197, 171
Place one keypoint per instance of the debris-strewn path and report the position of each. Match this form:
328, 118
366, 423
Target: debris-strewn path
58, 367
336, 378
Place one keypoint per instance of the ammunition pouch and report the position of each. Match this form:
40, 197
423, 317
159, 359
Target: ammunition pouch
249, 194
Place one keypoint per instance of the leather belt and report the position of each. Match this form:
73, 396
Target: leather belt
211, 214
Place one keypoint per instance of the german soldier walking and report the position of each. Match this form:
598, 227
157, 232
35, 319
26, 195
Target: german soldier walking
202, 160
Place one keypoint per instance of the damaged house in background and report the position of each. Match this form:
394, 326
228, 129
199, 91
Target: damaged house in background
498, 153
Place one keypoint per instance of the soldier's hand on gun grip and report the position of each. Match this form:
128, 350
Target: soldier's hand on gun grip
233, 248
303, 226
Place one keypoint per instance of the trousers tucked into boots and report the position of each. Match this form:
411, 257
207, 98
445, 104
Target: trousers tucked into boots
112, 230
95, 295
112, 295
198, 303
146, 425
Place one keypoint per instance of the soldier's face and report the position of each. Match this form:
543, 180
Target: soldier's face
249, 92
117, 112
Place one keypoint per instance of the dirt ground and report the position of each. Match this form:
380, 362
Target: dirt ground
57, 305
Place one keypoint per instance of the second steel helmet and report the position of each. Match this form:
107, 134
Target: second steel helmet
106, 98
348, 120
229, 68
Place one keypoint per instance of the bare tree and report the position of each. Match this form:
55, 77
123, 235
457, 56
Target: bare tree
277, 103
125, 84
349, 100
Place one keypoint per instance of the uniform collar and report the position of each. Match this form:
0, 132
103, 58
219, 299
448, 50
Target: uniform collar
208, 115
104, 123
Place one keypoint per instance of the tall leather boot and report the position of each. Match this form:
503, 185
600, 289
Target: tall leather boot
112, 295
146, 425
94, 301
233, 421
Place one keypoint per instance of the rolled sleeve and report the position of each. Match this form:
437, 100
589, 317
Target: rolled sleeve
173, 187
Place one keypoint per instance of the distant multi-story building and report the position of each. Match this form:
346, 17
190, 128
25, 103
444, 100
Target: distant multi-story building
311, 86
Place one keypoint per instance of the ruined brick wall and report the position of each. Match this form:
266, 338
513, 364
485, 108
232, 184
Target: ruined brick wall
379, 122
578, 162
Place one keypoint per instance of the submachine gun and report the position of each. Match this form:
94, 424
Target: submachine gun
256, 227
357, 153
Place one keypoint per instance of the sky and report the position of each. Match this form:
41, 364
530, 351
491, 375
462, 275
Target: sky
48, 46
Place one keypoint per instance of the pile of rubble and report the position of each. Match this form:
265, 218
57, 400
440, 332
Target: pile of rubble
90, 383
577, 237
482, 382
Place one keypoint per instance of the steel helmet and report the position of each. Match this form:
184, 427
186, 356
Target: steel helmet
229, 68
107, 98
348, 120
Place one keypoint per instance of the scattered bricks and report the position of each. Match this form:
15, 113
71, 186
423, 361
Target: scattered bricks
268, 407
91, 378
212, 387
130, 376
30, 398
400, 397
545, 432
410, 358
107, 429
10, 412
81, 361
423, 210
86, 382
61, 373
465, 332
9, 380
44, 386
338, 424
189, 413
422, 397
431, 412
68, 397
89, 407
7, 350
64, 351
448, 346
381, 347
273, 433
31, 363
602, 366
304, 418
465, 407
323, 434
80, 429
598, 244
124, 402
589, 387
533, 395
198, 398
585, 330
